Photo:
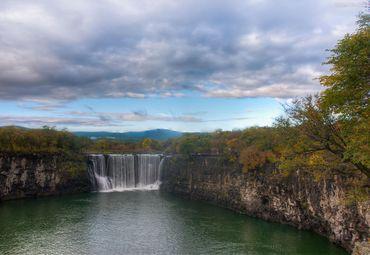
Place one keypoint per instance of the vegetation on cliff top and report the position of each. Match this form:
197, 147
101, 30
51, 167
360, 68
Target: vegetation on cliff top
51, 141
45, 140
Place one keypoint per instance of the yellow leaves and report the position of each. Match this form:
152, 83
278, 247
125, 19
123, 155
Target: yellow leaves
359, 191
316, 159
287, 164
358, 149
146, 143
232, 143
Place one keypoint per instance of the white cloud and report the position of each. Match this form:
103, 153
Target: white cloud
63, 50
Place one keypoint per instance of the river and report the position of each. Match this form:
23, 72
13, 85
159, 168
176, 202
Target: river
144, 222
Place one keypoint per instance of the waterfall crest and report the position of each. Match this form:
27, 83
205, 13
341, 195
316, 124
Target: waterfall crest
120, 172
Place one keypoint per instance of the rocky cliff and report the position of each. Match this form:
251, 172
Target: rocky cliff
297, 200
40, 175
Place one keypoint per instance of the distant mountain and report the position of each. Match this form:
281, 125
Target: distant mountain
14, 126
157, 134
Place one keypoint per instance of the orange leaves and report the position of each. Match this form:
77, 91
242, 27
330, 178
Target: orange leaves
252, 158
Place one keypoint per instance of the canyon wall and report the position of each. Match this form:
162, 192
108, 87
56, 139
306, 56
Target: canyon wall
33, 175
297, 200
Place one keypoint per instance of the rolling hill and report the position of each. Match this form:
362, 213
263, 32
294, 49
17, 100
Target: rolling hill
157, 134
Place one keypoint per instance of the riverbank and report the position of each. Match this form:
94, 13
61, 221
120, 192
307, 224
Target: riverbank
297, 200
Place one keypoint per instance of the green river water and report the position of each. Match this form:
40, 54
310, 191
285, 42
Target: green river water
144, 222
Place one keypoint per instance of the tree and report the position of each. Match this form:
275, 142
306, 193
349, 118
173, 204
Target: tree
146, 143
348, 91
348, 82
150, 144
252, 157
318, 134
333, 128
194, 143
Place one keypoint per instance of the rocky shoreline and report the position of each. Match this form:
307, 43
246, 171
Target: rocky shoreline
298, 200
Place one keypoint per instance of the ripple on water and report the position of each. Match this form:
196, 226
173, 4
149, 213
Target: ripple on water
143, 222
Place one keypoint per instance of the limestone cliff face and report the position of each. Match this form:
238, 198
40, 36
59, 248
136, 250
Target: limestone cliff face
362, 248
39, 175
298, 200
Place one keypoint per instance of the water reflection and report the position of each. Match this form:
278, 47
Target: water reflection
145, 223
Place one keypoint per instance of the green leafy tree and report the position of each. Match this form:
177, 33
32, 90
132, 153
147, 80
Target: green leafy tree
348, 82
332, 130
311, 138
348, 91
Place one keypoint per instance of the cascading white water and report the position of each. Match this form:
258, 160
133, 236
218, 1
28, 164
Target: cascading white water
148, 169
119, 172
97, 172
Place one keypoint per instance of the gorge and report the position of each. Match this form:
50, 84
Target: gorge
298, 201
185, 127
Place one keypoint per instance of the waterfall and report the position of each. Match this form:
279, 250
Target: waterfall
119, 172
98, 172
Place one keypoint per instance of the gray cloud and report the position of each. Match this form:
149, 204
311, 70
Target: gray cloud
37, 121
101, 119
42, 104
64, 50
139, 116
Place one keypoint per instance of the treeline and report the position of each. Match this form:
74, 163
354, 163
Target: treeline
48, 140
44, 140
118, 146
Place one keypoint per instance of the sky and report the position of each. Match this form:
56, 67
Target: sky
185, 65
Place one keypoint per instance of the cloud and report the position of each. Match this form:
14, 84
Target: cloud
101, 119
63, 50
42, 104
140, 116
37, 121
